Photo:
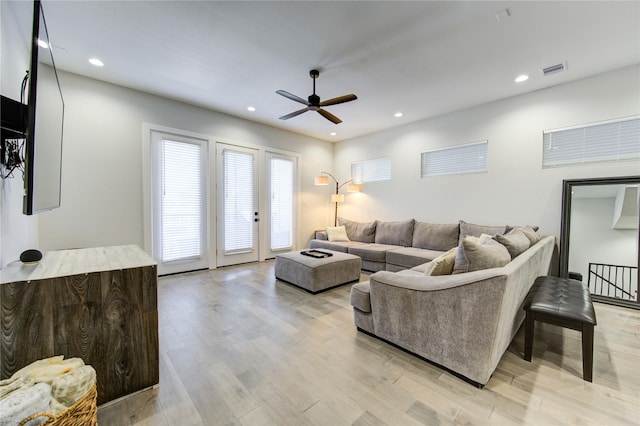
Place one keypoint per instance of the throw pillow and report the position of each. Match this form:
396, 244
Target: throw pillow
395, 233
515, 241
529, 231
474, 230
481, 253
337, 234
443, 264
357, 231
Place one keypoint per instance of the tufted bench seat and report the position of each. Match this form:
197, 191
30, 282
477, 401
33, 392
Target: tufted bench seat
566, 303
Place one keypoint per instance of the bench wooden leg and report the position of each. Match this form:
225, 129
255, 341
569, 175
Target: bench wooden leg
529, 323
587, 352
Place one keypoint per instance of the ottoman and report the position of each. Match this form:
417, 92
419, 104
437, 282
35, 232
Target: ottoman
317, 274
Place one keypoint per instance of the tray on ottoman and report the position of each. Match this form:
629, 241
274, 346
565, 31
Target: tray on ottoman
316, 274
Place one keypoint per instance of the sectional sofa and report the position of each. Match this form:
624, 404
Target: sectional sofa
395, 246
459, 309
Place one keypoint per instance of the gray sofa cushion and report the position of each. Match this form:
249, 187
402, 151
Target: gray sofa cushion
473, 230
361, 296
358, 231
395, 233
334, 245
435, 236
475, 254
408, 257
374, 252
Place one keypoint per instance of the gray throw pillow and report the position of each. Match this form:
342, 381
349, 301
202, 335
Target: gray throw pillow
434, 236
529, 231
515, 241
484, 252
357, 231
471, 229
395, 233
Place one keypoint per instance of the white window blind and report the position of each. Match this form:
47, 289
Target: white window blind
459, 159
182, 201
281, 208
238, 201
378, 169
616, 140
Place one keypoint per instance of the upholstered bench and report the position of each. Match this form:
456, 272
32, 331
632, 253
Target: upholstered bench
566, 303
317, 274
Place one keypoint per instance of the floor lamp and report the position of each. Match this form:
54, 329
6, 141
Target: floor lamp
323, 180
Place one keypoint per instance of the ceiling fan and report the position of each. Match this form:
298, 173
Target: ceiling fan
313, 103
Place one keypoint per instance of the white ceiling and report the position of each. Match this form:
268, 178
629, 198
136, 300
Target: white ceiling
421, 58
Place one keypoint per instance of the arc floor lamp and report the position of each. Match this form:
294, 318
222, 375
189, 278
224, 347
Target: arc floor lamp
323, 180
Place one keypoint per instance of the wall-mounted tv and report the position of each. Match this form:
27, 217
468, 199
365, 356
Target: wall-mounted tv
45, 122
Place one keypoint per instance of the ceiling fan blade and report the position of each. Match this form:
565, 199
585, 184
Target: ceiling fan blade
329, 116
293, 114
292, 97
339, 100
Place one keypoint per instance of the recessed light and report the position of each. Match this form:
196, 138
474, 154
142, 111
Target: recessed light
333, 133
521, 78
97, 62
43, 44
251, 108
398, 114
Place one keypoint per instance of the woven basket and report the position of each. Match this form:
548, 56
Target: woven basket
83, 413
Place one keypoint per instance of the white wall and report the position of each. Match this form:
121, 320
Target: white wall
102, 157
516, 190
17, 231
593, 238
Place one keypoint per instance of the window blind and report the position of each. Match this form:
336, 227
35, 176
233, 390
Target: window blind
182, 201
616, 140
459, 159
281, 208
238, 201
378, 169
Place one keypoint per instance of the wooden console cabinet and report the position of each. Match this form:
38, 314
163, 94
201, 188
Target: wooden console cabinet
99, 304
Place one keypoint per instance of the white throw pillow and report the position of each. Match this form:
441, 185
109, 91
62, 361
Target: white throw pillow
443, 264
337, 234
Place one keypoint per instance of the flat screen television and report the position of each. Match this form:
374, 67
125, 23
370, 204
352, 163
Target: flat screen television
45, 123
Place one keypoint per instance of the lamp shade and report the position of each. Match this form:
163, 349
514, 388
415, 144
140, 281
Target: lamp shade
353, 187
337, 198
321, 180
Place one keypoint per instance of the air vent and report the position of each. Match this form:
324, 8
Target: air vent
555, 69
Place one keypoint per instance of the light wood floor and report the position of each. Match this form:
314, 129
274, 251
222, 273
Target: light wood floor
239, 347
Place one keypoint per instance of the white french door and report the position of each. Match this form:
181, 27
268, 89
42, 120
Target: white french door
281, 206
179, 191
238, 213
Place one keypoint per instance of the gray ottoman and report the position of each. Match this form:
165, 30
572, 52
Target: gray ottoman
315, 275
